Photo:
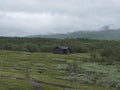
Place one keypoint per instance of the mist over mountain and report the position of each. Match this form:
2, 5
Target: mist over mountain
101, 35
31, 17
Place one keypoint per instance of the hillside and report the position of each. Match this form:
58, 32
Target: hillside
102, 35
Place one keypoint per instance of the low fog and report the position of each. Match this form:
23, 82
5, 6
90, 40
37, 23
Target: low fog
30, 17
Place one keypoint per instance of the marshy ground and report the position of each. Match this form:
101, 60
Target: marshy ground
47, 71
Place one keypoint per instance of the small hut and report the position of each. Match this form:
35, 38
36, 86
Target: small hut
62, 50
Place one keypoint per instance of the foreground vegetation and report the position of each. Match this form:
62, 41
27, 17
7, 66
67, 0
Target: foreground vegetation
26, 63
74, 70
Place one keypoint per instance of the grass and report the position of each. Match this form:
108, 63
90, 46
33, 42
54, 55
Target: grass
6, 84
48, 67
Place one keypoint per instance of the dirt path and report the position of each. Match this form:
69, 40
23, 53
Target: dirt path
36, 85
52, 84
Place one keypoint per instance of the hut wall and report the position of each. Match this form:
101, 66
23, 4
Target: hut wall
58, 51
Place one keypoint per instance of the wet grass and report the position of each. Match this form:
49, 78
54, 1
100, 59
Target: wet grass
42, 67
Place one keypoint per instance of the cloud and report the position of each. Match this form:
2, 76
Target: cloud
26, 17
36, 22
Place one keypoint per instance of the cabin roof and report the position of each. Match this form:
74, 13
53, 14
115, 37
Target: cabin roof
62, 47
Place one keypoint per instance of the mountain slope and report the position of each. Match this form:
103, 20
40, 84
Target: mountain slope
102, 35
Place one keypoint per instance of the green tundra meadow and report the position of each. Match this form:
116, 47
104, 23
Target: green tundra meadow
30, 64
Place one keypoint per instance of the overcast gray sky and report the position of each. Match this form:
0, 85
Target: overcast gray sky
26, 17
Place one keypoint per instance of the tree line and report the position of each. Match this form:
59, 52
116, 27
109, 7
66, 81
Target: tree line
109, 50
45, 44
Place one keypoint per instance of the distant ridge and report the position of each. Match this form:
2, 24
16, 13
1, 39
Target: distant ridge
101, 35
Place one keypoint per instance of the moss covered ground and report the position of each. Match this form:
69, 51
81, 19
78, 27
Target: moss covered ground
72, 70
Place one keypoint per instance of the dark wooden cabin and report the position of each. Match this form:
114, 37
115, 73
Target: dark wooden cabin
62, 50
